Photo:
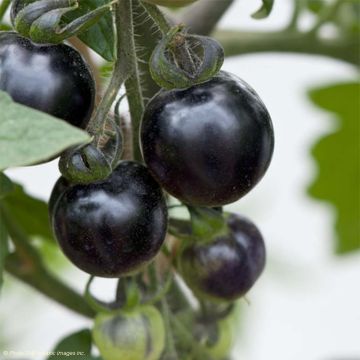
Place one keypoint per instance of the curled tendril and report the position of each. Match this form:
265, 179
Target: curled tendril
41, 20
84, 164
181, 60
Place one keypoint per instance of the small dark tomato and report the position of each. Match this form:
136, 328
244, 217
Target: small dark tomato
227, 266
111, 227
210, 144
138, 334
51, 78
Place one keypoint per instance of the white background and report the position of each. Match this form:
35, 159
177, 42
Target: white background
307, 304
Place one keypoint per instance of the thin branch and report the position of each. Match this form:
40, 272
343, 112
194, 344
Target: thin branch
133, 82
239, 42
120, 73
170, 349
26, 265
150, 35
202, 17
298, 7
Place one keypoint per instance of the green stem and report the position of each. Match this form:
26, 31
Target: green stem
157, 16
97, 306
176, 298
150, 33
3, 8
120, 73
298, 7
240, 42
181, 226
133, 82
170, 349
198, 352
26, 265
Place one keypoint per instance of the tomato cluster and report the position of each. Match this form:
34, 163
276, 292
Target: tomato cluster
207, 145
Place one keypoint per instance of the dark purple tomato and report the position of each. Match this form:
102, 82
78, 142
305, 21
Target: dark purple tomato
227, 266
51, 78
112, 227
60, 186
210, 144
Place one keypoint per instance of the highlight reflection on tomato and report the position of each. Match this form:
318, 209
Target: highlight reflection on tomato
210, 144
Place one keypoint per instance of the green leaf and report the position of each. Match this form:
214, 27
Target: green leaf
337, 156
99, 37
5, 27
30, 213
4, 247
74, 346
28, 136
6, 186
315, 6
265, 10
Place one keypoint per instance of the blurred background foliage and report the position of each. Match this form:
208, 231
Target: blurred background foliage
338, 157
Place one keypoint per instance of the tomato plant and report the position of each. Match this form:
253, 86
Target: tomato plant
196, 133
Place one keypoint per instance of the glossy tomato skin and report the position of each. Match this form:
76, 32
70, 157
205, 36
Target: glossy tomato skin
130, 335
60, 186
112, 227
51, 78
210, 144
226, 267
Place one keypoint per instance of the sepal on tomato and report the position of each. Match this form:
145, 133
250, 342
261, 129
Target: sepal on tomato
41, 20
84, 164
207, 223
226, 266
175, 64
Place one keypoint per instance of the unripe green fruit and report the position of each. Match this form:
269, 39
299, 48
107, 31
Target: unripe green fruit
220, 349
170, 3
138, 334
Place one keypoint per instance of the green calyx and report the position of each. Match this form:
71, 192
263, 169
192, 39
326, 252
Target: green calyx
84, 164
181, 60
41, 20
207, 224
